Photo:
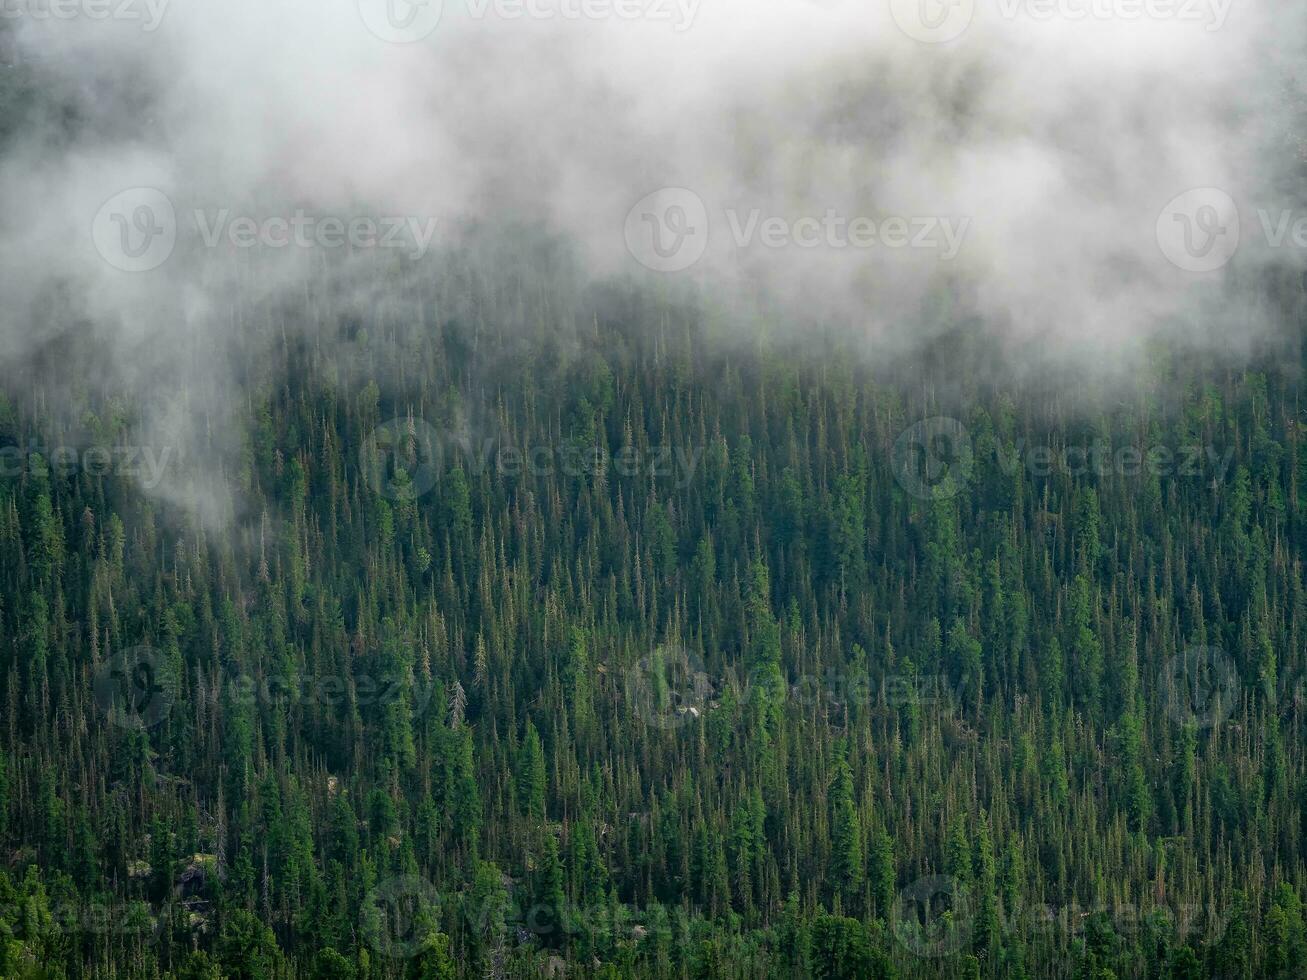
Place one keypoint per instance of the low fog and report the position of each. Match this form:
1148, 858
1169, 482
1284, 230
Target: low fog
1073, 177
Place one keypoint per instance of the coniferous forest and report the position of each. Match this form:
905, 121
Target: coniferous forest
611, 648
507, 610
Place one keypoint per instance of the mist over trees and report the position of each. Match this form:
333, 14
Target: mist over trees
617, 648
587, 588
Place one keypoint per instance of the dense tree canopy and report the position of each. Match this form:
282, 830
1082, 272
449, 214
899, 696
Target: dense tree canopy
628, 650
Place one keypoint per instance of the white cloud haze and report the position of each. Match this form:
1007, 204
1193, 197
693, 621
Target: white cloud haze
1047, 139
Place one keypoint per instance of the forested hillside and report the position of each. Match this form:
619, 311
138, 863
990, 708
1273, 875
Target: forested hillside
626, 650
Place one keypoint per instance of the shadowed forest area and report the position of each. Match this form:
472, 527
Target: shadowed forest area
611, 650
